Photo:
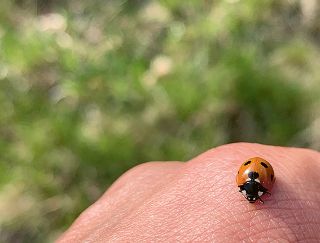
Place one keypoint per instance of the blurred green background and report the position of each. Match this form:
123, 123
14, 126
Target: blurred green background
88, 89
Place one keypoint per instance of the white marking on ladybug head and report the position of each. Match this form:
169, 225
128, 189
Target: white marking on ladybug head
244, 192
257, 180
260, 193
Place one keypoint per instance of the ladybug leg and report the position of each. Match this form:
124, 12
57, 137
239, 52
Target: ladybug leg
241, 188
264, 190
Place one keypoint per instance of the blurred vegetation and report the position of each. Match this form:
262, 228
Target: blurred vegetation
92, 88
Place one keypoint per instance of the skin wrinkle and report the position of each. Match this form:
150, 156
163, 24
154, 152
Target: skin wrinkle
185, 174
202, 219
160, 221
307, 222
135, 212
287, 201
113, 200
156, 185
278, 233
277, 224
141, 171
227, 217
309, 240
216, 196
201, 202
285, 218
200, 216
288, 220
259, 223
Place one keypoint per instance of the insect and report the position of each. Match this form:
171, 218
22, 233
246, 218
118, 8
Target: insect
255, 178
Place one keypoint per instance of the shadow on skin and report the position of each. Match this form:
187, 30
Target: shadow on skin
199, 201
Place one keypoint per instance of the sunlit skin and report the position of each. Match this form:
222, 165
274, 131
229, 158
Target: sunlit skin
199, 201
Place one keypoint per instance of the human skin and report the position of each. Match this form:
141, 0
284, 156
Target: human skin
198, 201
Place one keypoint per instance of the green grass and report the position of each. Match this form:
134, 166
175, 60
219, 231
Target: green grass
90, 89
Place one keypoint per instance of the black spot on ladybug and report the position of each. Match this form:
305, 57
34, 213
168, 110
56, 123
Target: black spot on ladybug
246, 163
253, 175
272, 176
238, 172
264, 165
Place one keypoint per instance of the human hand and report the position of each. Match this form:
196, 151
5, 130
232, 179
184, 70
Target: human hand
199, 201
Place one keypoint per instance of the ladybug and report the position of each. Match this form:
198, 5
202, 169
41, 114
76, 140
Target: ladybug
255, 178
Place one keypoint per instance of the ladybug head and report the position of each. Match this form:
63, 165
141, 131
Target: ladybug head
251, 198
252, 190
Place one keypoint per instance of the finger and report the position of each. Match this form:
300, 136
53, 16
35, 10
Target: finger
123, 196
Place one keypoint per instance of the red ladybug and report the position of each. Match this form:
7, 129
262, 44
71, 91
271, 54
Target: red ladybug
255, 178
